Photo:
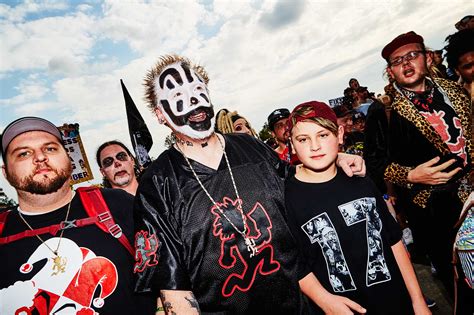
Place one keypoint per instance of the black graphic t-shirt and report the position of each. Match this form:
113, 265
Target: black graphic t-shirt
345, 231
94, 271
185, 243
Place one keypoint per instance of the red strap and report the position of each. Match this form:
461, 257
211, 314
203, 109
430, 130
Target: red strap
52, 229
3, 220
95, 206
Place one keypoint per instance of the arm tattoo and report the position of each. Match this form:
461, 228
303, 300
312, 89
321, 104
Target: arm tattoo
168, 308
192, 301
179, 302
167, 305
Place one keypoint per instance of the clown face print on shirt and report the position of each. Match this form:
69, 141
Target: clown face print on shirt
184, 101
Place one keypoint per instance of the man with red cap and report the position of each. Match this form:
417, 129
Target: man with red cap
350, 241
429, 148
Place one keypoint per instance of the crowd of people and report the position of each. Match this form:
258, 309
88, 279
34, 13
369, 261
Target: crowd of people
223, 223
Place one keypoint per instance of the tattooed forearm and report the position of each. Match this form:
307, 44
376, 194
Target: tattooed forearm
179, 302
193, 302
167, 306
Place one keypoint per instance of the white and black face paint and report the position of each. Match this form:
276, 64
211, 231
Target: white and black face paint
184, 101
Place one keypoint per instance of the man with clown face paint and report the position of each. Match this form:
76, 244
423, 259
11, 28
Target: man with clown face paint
183, 99
211, 235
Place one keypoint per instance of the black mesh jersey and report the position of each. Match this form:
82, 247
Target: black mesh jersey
345, 231
199, 250
94, 273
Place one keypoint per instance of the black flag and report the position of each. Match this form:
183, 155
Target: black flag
139, 134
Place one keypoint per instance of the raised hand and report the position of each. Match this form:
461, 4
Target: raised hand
429, 174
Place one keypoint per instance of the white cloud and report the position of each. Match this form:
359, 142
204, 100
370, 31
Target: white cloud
20, 11
158, 26
64, 65
255, 69
72, 66
90, 98
35, 108
259, 56
30, 89
33, 44
283, 13
232, 9
84, 7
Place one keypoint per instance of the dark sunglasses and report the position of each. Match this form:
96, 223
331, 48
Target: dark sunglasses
108, 161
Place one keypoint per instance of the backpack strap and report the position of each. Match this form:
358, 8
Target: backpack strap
95, 206
3, 220
52, 229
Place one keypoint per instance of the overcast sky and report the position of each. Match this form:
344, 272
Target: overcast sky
62, 60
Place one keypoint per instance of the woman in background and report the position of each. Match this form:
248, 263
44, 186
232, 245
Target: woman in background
232, 122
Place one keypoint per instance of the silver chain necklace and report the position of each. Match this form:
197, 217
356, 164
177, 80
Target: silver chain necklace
249, 242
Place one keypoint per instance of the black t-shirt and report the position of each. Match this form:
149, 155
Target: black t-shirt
94, 271
198, 250
345, 231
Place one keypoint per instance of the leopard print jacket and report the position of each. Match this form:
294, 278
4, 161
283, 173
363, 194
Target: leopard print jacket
398, 174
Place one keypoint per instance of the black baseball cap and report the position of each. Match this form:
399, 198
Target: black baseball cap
276, 115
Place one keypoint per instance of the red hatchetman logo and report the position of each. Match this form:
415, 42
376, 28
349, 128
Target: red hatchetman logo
145, 250
254, 251
438, 122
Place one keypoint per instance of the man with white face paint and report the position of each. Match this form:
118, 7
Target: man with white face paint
118, 166
184, 100
211, 234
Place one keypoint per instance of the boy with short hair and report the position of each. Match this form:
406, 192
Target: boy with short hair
342, 223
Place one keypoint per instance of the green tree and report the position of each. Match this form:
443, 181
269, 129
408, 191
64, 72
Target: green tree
265, 133
5, 202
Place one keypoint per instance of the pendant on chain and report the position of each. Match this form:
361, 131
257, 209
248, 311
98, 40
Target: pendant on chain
251, 247
59, 264
249, 242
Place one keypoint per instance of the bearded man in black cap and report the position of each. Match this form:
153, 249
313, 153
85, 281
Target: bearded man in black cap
213, 235
429, 148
